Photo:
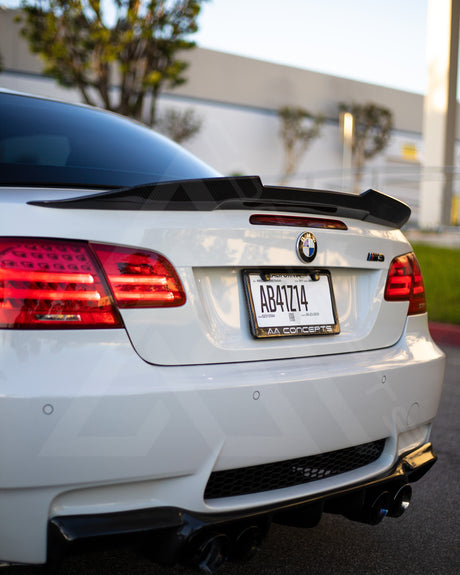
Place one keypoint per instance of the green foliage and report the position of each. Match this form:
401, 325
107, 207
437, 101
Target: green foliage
441, 275
298, 129
180, 125
372, 125
133, 46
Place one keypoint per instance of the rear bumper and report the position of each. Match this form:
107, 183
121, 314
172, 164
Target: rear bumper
172, 532
97, 431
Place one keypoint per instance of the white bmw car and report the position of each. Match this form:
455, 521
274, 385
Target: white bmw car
185, 358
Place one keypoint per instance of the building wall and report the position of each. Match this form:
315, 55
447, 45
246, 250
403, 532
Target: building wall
245, 81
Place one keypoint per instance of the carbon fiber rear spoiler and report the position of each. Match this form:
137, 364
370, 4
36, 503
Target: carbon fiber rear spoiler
241, 193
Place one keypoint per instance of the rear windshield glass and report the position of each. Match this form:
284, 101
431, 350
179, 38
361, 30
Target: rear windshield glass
52, 143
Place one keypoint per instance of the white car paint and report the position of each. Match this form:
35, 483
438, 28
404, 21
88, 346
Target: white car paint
105, 421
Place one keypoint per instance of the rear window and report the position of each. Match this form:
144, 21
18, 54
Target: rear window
53, 143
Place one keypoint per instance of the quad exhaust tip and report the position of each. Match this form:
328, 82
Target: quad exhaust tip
207, 546
401, 501
210, 551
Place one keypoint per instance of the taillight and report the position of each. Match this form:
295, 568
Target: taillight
140, 278
52, 284
297, 221
405, 283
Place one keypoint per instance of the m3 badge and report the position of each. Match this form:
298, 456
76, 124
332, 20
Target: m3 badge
373, 257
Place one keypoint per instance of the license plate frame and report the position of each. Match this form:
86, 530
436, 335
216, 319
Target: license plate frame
307, 315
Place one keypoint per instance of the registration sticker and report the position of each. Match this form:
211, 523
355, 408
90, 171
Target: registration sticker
291, 303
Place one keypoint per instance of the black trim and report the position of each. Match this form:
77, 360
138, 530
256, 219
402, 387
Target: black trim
73, 527
241, 193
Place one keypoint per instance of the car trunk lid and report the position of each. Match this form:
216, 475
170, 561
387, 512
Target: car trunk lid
207, 231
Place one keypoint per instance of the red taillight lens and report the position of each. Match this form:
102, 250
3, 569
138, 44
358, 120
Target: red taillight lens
140, 278
61, 284
405, 283
52, 284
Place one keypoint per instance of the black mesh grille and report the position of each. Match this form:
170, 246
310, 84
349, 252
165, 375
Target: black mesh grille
281, 474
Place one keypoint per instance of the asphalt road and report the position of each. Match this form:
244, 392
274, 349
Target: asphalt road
425, 540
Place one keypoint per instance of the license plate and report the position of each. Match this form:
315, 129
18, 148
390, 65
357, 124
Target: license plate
285, 304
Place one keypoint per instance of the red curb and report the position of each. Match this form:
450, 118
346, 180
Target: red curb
445, 334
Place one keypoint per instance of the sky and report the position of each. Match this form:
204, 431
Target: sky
380, 42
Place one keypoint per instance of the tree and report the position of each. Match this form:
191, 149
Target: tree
179, 125
298, 129
130, 44
372, 126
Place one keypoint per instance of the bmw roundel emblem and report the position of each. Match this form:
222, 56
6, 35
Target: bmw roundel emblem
307, 247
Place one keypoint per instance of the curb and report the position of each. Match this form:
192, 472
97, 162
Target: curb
445, 334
